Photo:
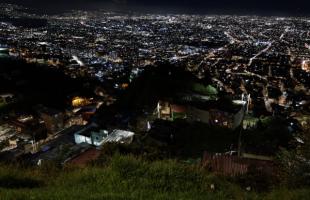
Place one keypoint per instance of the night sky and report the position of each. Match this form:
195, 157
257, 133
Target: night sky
238, 7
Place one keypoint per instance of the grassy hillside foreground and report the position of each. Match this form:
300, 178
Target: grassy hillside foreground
126, 177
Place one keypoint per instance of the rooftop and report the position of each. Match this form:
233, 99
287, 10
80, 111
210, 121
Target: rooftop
119, 135
85, 157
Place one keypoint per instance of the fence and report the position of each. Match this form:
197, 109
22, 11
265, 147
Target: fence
231, 165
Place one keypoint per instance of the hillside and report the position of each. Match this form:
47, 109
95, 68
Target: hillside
36, 84
126, 177
156, 83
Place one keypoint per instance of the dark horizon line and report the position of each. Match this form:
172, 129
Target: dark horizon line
51, 9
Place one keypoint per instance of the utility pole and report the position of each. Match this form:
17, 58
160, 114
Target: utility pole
245, 110
239, 140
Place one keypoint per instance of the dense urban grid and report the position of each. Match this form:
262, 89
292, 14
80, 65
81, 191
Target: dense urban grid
259, 65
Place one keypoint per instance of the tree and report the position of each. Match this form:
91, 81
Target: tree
295, 164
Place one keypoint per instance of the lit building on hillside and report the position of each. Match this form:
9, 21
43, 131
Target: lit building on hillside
92, 135
209, 112
79, 101
168, 111
163, 110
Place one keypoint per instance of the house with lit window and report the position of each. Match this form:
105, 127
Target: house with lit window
209, 112
168, 111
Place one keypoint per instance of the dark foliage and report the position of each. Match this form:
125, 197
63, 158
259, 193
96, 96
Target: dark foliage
11, 182
36, 84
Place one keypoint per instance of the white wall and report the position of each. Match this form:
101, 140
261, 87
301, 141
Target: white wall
82, 139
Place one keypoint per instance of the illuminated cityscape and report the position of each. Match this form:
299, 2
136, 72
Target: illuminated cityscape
227, 93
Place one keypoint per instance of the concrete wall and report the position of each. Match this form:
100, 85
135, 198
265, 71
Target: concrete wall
82, 139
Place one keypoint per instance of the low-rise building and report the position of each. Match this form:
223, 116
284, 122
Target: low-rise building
210, 112
120, 136
92, 135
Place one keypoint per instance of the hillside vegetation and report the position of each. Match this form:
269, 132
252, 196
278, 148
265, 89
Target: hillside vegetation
127, 177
